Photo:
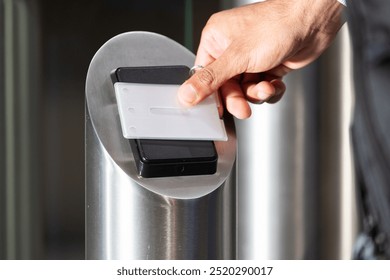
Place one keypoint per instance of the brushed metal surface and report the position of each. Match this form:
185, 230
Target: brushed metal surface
128, 217
296, 196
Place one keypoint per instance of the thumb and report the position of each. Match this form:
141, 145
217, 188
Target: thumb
209, 79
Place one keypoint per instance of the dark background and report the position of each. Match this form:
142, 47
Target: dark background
45, 50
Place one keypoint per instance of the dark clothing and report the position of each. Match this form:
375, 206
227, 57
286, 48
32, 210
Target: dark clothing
369, 23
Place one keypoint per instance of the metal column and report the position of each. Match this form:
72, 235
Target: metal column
128, 217
20, 188
295, 178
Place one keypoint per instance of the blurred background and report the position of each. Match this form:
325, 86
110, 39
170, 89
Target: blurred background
298, 203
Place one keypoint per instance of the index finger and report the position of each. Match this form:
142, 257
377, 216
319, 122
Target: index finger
208, 79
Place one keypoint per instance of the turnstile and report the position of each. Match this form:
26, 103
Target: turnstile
131, 217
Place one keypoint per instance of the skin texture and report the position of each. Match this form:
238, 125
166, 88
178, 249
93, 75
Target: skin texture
246, 51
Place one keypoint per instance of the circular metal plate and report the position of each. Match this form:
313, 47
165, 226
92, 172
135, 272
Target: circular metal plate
145, 49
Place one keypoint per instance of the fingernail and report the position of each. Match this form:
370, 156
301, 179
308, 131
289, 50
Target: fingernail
187, 94
262, 96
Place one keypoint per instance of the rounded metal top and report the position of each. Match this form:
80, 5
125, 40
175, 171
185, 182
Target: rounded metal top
145, 49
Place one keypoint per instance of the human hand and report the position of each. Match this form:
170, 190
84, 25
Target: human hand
246, 51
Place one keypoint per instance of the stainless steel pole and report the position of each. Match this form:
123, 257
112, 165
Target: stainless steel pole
20, 194
128, 217
295, 178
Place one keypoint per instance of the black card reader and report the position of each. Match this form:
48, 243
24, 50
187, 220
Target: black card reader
165, 158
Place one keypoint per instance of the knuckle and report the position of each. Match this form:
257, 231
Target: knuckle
206, 78
215, 17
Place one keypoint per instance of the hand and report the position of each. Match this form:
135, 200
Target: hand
246, 51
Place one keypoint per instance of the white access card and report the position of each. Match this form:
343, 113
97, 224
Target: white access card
152, 111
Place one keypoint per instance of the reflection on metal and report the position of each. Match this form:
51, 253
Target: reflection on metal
20, 203
296, 189
338, 212
278, 175
128, 217
2, 137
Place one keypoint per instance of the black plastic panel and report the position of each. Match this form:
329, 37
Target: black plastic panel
165, 158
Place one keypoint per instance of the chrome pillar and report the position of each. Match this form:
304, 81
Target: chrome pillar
338, 209
128, 217
295, 178
20, 190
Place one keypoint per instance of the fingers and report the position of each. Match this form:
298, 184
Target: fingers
265, 91
234, 99
260, 88
207, 51
236, 93
209, 79
280, 89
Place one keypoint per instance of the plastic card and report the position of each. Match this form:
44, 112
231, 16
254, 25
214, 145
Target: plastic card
152, 111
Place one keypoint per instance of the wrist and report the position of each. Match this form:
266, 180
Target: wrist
323, 16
